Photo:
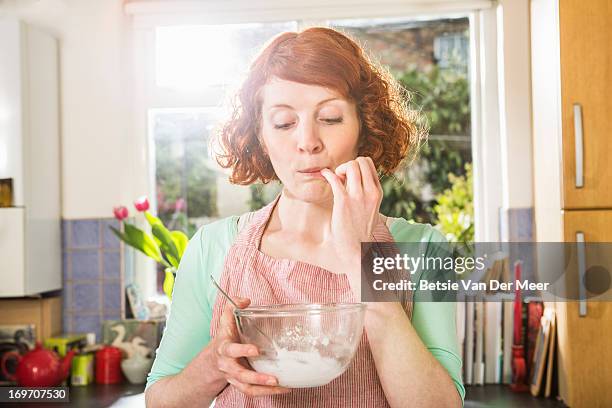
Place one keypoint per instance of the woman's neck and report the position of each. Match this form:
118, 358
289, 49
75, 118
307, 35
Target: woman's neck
296, 216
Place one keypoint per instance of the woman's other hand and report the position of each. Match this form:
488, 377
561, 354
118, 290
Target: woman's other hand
229, 358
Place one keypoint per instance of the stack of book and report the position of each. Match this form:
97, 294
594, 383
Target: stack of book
486, 331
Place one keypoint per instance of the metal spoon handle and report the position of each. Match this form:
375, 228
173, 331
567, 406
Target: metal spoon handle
212, 278
239, 323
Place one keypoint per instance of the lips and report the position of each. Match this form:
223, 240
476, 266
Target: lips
312, 173
311, 170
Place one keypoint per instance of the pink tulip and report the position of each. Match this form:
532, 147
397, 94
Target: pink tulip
180, 204
142, 204
121, 213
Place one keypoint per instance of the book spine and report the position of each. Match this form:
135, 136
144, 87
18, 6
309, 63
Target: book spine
507, 343
469, 342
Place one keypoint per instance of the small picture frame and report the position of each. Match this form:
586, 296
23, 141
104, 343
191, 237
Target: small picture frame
6, 192
137, 306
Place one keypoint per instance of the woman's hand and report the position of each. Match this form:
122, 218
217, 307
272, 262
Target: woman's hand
229, 358
357, 197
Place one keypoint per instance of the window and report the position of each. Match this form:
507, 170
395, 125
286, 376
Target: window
191, 189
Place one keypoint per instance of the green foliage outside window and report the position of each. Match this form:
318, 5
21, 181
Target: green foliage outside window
443, 98
186, 186
455, 208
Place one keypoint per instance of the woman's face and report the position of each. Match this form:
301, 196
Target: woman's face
306, 128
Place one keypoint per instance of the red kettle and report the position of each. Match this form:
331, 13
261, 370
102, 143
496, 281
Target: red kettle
38, 368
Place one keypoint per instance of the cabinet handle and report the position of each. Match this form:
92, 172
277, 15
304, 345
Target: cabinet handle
578, 142
580, 248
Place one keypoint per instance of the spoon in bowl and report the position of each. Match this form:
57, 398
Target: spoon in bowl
238, 322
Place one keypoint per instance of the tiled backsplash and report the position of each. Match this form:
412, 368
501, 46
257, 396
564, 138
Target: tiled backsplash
92, 274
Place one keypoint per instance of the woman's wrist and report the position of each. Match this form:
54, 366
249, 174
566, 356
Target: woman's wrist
202, 372
197, 385
380, 317
351, 267
384, 311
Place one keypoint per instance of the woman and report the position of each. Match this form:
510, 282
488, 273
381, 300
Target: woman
317, 115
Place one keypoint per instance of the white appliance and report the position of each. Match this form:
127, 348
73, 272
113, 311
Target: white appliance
30, 233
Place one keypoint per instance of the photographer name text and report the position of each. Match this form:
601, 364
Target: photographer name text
468, 285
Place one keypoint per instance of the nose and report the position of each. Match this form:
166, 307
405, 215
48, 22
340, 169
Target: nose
308, 137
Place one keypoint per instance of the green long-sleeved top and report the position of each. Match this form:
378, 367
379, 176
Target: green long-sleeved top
187, 330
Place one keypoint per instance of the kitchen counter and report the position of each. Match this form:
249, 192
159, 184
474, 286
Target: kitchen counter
497, 395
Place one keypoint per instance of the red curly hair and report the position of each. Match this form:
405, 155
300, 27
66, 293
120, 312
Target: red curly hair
390, 132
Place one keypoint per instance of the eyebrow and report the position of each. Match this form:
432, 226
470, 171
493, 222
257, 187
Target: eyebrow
283, 105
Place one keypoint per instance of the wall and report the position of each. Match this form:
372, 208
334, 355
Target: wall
515, 102
95, 115
514, 64
95, 111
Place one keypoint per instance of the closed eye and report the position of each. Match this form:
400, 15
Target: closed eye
284, 125
332, 121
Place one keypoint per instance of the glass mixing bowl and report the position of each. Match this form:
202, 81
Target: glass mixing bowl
302, 345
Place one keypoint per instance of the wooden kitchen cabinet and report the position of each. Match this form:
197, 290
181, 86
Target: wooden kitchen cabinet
585, 342
585, 33
572, 79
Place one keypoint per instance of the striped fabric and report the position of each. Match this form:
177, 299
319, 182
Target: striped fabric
250, 273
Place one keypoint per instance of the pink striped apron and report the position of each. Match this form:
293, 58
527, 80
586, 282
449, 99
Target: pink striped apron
250, 273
